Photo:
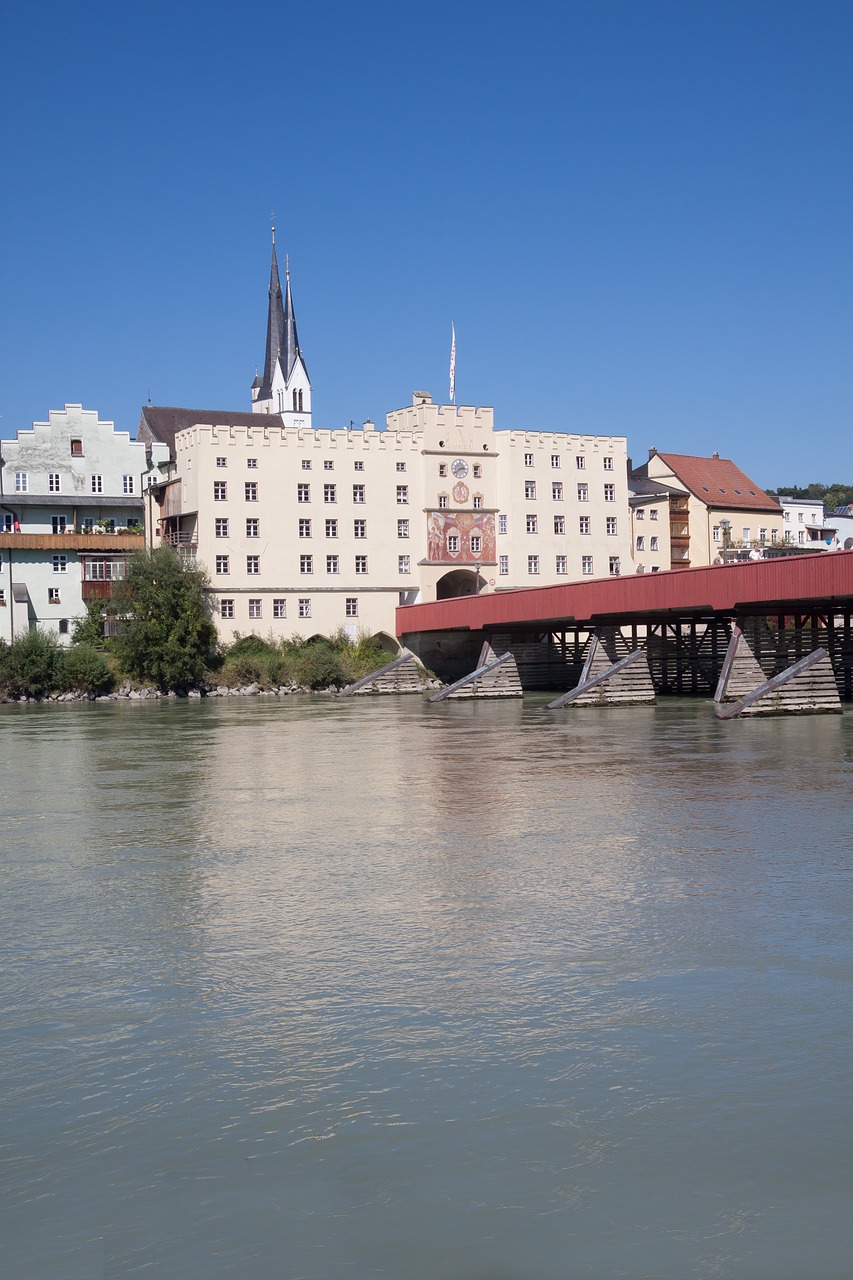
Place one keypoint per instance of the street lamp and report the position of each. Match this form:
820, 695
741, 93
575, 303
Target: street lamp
476, 577
726, 525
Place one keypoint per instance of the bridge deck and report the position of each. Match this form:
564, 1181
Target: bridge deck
756, 586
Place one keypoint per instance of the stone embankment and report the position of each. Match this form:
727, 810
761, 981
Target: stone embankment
126, 692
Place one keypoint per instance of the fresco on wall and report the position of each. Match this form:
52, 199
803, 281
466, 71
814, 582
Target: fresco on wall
449, 535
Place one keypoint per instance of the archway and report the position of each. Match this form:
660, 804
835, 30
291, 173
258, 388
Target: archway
388, 643
459, 582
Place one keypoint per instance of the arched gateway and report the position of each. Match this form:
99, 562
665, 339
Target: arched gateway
459, 582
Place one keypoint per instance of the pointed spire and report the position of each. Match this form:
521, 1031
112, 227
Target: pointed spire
275, 327
290, 347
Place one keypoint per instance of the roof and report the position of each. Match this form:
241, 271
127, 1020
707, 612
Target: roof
59, 500
160, 423
718, 482
642, 490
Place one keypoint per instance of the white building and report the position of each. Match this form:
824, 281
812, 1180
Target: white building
304, 530
804, 524
71, 509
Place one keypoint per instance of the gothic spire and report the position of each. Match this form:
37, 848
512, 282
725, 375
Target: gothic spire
275, 327
290, 346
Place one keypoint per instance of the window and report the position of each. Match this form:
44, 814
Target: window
762, 535
786, 515
103, 570
453, 543
361, 564
88, 524
530, 489
559, 524
608, 463
556, 491
403, 563
328, 465
60, 564
583, 493
304, 607
561, 564
614, 566
331, 528
401, 466
305, 528
54, 482
717, 533
555, 460
442, 501
22, 482
332, 564
586, 565
478, 501
54, 596
402, 528
653, 543
57, 524
279, 607
580, 462
76, 448
653, 514
303, 492
800, 516
746, 536
503, 565
641, 542
774, 536
255, 608
476, 544
220, 491
222, 462
306, 464
330, 493
611, 526
532, 564
253, 528
252, 464
800, 535
402, 494
97, 483
442, 468
253, 565
639, 514
306, 564
528, 459
359, 528
351, 606
477, 470
358, 466
226, 608
220, 528
610, 493
502, 524
251, 490
583, 524
655, 568
358, 493
532, 524
222, 564
3, 597
6, 519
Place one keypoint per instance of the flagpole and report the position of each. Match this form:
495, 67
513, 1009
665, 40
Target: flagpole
453, 364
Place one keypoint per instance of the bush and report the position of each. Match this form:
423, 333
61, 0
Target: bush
32, 666
166, 632
89, 629
86, 670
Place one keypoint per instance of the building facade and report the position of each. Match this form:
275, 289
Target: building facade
303, 530
71, 510
805, 525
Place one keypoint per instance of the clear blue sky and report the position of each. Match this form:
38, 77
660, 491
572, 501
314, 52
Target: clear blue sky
638, 214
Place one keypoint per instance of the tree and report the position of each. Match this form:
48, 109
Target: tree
166, 633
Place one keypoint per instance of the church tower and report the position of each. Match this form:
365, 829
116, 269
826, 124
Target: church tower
285, 388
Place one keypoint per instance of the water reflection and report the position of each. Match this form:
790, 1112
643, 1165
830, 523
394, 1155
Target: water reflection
345, 989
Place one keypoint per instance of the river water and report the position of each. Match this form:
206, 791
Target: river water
314, 990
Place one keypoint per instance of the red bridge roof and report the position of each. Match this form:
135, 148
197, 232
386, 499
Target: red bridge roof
784, 582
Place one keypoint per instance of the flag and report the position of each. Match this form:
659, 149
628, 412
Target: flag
452, 364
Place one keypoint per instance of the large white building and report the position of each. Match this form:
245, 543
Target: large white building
71, 509
304, 530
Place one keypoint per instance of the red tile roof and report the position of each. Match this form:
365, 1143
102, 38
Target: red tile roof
718, 482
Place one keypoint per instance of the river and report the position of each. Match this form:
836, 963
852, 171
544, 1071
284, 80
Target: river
312, 990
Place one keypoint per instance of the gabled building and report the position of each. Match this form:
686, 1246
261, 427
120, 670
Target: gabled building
71, 510
805, 525
712, 505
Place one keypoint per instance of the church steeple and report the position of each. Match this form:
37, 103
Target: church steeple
275, 328
290, 347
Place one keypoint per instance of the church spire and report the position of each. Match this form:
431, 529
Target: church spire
275, 327
290, 347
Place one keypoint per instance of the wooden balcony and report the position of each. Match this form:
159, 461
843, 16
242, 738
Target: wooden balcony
104, 544
97, 590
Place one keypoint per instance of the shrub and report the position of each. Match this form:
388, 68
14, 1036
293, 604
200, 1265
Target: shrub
34, 665
86, 670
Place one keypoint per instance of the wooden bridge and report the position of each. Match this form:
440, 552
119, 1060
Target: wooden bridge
786, 608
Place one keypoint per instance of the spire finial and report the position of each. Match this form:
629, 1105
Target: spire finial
287, 265
272, 220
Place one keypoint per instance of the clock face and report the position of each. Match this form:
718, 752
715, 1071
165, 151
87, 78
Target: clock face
460, 468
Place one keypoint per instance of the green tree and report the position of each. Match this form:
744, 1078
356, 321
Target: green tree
166, 632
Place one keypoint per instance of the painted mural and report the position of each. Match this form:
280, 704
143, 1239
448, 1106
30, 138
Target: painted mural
460, 537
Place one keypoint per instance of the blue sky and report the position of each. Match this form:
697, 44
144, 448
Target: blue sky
638, 215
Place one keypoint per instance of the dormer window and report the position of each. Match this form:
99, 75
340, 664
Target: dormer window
76, 448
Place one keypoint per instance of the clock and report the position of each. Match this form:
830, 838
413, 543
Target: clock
459, 467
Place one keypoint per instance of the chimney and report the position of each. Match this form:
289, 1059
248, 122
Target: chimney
652, 451
716, 457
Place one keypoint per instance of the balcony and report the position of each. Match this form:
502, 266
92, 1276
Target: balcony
184, 538
100, 543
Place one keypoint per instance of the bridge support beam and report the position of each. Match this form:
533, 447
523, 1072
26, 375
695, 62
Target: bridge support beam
605, 683
494, 677
404, 675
